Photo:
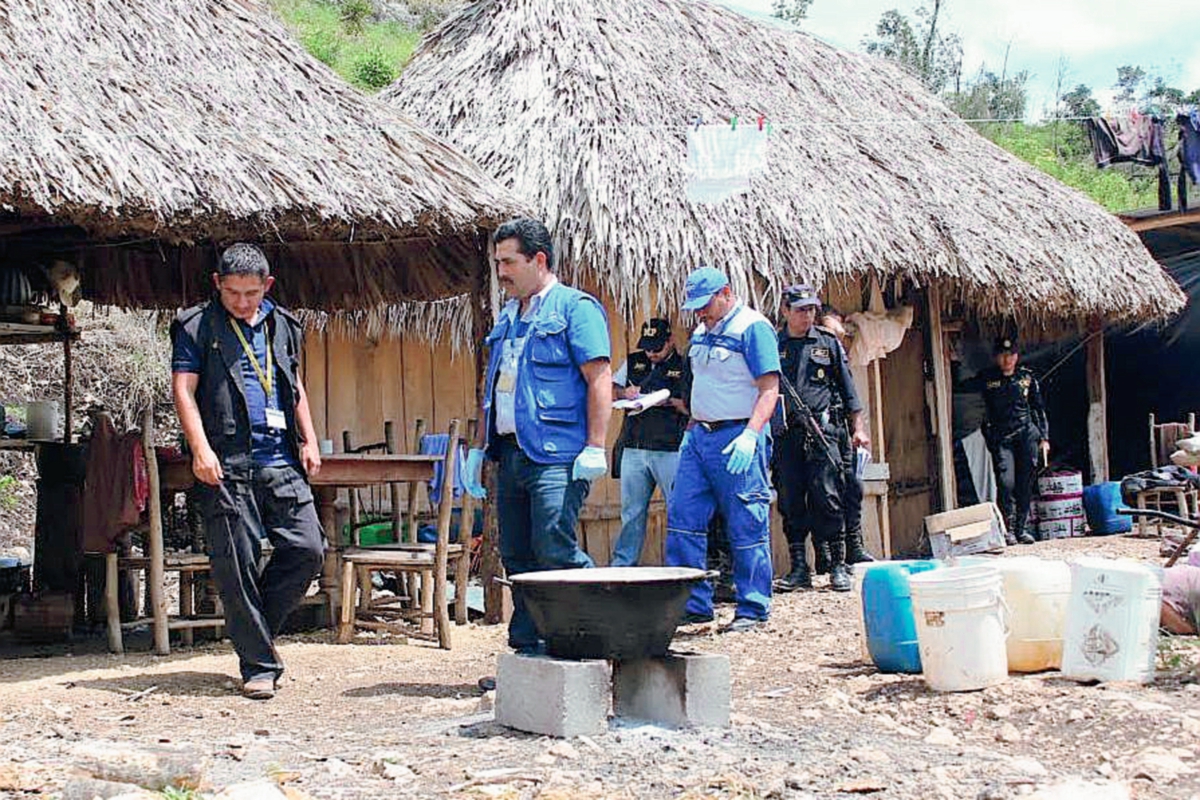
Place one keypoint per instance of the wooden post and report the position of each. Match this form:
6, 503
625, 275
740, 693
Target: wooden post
158, 599
943, 427
483, 306
445, 508
389, 439
1097, 419
112, 604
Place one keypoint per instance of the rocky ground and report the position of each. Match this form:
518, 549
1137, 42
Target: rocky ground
810, 720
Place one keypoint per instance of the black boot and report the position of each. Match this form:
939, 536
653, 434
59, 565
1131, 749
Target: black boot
839, 575
799, 577
855, 552
821, 554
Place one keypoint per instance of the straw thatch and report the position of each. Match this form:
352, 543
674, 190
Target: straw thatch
155, 125
581, 106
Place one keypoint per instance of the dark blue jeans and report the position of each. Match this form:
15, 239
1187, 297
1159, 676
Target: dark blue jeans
538, 508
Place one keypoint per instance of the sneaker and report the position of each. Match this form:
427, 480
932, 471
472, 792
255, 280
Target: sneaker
487, 683
691, 618
744, 624
259, 688
1026, 538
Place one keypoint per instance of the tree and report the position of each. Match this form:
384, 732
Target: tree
1079, 103
792, 10
992, 96
919, 46
1129, 83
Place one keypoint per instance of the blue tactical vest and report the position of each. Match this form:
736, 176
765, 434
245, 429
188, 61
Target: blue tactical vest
722, 386
550, 398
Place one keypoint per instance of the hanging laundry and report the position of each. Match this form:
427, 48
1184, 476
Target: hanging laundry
1189, 141
876, 335
1136, 139
721, 160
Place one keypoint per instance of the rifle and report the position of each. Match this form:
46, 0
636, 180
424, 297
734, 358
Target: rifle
808, 422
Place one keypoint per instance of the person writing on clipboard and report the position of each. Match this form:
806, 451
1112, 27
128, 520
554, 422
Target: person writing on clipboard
648, 448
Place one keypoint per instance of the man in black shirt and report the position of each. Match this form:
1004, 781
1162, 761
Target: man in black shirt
649, 439
808, 471
1016, 430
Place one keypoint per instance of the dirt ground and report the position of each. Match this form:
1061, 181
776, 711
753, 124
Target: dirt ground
375, 720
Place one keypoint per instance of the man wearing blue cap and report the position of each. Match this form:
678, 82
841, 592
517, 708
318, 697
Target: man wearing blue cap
723, 459
546, 405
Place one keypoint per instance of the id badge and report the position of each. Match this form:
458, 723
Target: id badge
506, 383
276, 420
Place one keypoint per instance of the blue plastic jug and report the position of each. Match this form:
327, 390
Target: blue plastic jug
1100, 504
887, 612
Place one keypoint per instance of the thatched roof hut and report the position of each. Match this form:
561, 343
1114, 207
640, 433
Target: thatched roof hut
581, 106
136, 136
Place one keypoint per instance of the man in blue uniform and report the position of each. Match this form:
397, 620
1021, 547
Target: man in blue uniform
649, 439
723, 460
546, 405
237, 389
809, 457
1016, 430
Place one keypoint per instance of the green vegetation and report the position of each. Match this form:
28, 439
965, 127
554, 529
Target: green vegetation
345, 35
1061, 150
173, 793
8, 492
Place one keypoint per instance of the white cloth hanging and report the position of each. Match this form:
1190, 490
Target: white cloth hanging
876, 334
721, 160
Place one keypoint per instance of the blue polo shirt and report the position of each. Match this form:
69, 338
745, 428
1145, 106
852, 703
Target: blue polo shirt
268, 447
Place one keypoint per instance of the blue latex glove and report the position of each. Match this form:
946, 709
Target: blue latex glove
590, 464
472, 478
741, 452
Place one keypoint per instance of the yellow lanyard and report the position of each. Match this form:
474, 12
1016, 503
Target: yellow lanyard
266, 379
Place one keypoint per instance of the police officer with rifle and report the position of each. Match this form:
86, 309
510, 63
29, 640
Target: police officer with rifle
818, 398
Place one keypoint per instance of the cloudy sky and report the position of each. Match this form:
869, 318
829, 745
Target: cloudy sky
1095, 36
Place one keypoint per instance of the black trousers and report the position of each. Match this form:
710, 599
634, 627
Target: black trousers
852, 489
810, 491
1015, 460
272, 503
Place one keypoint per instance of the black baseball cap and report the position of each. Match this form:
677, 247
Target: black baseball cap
801, 295
655, 333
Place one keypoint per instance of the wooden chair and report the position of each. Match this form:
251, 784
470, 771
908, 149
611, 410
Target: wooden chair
429, 562
156, 563
1184, 502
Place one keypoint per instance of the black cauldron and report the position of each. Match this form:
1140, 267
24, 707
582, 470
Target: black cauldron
608, 612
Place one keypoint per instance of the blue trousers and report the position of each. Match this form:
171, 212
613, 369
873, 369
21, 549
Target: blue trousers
702, 486
538, 507
641, 471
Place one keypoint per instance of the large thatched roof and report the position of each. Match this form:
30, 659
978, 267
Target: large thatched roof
582, 106
205, 121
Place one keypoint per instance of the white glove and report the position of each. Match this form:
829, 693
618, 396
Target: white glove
741, 452
590, 464
473, 474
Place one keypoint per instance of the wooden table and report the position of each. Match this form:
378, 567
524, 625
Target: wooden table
349, 471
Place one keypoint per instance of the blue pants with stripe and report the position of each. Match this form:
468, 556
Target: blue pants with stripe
702, 486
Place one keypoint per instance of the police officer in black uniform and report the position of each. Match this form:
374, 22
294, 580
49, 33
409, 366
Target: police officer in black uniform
1016, 429
650, 439
808, 469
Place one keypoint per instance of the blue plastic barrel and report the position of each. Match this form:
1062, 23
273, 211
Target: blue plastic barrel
1100, 504
887, 612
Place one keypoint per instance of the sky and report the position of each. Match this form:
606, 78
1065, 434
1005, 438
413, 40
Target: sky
1154, 34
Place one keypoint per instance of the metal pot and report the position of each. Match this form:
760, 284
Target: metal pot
617, 613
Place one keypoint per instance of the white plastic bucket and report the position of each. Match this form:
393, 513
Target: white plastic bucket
1112, 620
42, 421
959, 615
1036, 591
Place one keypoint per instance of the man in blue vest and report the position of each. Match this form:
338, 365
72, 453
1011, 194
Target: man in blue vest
236, 382
546, 404
723, 460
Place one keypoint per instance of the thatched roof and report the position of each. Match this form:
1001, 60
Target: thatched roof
582, 106
156, 124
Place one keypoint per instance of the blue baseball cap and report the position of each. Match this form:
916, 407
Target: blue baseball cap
701, 285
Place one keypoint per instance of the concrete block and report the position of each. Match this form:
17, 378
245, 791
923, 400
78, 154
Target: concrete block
678, 689
552, 696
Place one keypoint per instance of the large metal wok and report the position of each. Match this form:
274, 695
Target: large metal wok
609, 612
